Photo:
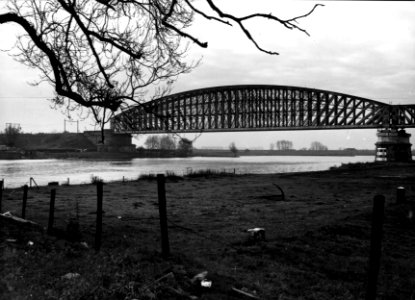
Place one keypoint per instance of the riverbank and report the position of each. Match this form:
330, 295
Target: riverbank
316, 246
293, 152
144, 153
84, 146
16, 173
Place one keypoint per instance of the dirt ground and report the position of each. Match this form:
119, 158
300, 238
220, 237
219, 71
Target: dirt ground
316, 239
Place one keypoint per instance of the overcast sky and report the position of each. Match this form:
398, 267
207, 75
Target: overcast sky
360, 48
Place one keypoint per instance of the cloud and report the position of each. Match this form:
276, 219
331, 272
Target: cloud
366, 50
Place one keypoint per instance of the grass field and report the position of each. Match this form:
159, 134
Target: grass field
316, 245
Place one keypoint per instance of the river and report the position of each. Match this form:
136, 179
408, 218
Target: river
16, 173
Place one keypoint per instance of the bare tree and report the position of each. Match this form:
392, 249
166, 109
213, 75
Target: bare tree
104, 53
317, 146
284, 145
152, 142
167, 142
100, 54
11, 134
185, 147
233, 149
102, 116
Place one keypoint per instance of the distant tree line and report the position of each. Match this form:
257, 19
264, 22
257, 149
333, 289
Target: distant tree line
284, 145
165, 142
317, 146
169, 143
288, 145
10, 135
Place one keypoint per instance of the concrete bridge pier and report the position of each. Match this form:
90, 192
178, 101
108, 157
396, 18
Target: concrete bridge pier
393, 145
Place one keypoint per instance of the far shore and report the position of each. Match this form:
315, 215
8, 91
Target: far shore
144, 153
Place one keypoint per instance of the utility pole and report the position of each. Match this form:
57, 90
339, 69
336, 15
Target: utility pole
69, 121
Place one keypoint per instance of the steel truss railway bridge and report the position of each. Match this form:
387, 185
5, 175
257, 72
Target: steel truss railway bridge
261, 108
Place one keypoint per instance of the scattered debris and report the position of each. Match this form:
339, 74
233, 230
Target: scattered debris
257, 234
199, 277
282, 196
10, 216
167, 277
168, 285
206, 283
85, 245
70, 275
244, 293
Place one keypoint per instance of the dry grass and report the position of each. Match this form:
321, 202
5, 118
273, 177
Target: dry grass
316, 243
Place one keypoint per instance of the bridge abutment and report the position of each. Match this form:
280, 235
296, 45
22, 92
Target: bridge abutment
114, 142
393, 145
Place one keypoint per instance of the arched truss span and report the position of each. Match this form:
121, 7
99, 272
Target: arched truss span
260, 107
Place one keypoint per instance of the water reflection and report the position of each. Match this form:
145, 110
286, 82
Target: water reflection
18, 172
122, 163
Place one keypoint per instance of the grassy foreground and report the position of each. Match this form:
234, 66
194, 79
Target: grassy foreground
316, 246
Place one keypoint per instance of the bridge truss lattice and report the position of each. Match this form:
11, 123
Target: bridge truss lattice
260, 107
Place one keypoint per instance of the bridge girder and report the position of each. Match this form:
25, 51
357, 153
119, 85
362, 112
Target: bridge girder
260, 107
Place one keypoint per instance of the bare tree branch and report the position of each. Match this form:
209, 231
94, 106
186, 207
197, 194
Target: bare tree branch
205, 15
109, 54
54, 61
74, 15
290, 23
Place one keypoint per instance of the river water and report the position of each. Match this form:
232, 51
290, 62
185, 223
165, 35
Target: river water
18, 172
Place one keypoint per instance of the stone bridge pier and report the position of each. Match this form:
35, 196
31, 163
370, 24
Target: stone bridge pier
393, 145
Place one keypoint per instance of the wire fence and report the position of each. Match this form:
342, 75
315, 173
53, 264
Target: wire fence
214, 225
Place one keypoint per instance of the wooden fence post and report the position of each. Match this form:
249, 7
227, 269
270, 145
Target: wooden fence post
51, 210
25, 188
375, 246
400, 195
1, 194
98, 229
165, 248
